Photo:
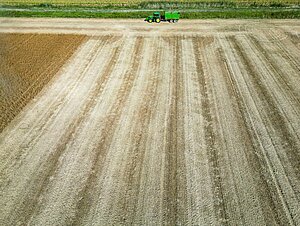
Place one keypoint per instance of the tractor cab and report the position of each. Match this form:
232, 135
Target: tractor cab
156, 15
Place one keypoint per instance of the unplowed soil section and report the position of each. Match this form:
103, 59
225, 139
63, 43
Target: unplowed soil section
195, 123
28, 62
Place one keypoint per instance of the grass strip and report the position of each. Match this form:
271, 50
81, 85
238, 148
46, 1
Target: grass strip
245, 13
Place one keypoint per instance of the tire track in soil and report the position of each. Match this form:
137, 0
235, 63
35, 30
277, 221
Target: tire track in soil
210, 136
286, 96
276, 70
175, 185
109, 126
291, 95
258, 169
286, 53
133, 169
277, 120
30, 202
289, 139
295, 39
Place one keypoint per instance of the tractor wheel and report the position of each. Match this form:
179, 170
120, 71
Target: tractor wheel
157, 20
150, 21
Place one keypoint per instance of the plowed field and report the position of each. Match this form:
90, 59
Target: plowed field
195, 123
28, 62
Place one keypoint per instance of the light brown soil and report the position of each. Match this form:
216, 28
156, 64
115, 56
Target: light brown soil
28, 62
196, 123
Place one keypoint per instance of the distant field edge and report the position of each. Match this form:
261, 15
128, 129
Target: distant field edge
284, 13
150, 4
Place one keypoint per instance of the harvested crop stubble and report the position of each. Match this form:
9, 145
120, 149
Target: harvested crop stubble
28, 62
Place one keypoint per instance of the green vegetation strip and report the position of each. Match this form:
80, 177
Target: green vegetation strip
189, 9
234, 13
157, 4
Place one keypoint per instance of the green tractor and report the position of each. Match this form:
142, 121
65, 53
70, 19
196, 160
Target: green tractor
167, 16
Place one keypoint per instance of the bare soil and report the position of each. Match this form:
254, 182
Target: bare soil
195, 123
28, 62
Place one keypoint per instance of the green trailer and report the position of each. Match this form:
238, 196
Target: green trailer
171, 17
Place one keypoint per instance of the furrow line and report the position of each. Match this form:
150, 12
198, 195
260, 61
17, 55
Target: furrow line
286, 115
240, 200
72, 130
62, 193
210, 136
295, 39
258, 169
255, 118
275, 118
291, 116
283, 96
276, 70
170, 168
150, 203
287, 54
181, 200
134, 167
107, 132
174, 205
